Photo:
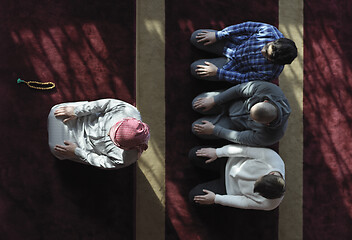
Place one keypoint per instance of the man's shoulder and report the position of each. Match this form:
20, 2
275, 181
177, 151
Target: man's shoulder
268, 30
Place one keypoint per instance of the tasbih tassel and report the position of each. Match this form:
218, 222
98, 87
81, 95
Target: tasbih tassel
38, 85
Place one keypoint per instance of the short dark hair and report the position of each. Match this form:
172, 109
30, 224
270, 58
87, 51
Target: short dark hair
284, 51
270, 186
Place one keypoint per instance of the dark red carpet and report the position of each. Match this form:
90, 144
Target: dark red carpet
185, 222
88, 49
327, 120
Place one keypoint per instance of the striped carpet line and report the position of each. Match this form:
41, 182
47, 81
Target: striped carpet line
150, 99
291, 146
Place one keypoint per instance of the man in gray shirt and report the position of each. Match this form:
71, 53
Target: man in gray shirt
253, 114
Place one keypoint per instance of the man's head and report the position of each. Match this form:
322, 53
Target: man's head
130, 133
263, 112
270, 186
281, 51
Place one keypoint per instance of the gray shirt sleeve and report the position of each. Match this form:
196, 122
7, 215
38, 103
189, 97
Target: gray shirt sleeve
244, 90
247, 137
247, 90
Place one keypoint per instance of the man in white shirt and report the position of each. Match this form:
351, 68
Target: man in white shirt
106, 133
253, 178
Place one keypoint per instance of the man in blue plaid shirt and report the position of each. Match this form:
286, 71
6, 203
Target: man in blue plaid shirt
249, 51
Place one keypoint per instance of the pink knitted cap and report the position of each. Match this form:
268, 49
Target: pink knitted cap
130, 133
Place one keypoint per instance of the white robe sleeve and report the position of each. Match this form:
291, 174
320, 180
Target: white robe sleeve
98, 106
243, 202
113, 161
236, 150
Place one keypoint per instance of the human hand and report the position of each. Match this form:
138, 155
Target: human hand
207, 152
208, 198
206, 128
206, 70
68, 112
206, 103
67, 151
206, 37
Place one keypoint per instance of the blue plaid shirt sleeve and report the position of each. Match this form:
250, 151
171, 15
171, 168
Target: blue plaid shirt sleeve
237, 77
246, 27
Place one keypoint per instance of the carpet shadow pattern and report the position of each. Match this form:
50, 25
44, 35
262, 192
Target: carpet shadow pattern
327, 201
88, 49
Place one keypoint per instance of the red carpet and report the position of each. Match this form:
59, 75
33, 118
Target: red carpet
327, 120
184, 222
88, 49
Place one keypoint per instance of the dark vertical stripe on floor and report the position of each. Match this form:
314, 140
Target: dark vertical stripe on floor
327, 120
182, 18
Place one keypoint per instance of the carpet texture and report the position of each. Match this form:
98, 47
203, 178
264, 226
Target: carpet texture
327, 201
88, 49
185, 222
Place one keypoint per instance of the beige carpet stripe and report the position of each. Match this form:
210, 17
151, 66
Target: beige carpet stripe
150, 92
291, 146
